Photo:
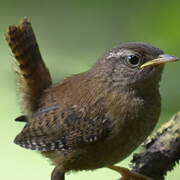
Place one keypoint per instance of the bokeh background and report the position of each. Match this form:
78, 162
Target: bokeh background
72, 35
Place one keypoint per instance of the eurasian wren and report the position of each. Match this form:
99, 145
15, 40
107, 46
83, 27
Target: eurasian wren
93, 119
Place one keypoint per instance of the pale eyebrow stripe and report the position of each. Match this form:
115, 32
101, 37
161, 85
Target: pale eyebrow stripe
118, 54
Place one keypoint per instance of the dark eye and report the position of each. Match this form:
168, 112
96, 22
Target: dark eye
133, 60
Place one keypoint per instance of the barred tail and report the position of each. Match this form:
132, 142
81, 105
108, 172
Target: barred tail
33, 75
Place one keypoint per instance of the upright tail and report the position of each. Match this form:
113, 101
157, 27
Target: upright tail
33, 75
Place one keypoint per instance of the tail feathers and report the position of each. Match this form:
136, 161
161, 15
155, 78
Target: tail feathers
33, 75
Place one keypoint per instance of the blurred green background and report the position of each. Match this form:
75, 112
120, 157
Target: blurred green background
72, 35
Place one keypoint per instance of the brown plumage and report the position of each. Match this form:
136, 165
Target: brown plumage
32, 74
93, 119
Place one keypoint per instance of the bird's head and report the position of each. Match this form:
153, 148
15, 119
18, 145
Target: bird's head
133, 64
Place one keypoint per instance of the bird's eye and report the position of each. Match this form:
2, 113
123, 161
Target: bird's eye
133, 60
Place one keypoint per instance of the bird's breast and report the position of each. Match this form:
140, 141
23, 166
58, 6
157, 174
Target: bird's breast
134, 118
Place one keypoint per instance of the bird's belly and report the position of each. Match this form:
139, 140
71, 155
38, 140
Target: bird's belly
120, 146
102, 154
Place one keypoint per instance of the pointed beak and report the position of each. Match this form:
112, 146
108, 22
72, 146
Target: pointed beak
162, 59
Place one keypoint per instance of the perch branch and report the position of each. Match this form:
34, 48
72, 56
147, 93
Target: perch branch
161, 151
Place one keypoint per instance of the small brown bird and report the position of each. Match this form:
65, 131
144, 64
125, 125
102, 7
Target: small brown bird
93, 119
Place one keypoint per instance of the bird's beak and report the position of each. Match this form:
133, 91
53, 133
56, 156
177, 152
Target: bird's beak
162, 59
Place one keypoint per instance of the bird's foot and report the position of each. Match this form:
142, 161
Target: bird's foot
57, 174
129, 175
